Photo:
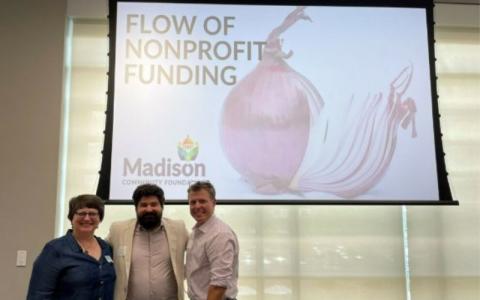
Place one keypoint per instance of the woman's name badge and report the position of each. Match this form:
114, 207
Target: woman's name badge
108, 259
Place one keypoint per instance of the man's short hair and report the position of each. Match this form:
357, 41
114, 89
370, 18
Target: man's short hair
148, 190
203, 185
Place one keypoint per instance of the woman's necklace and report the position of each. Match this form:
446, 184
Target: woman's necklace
88, 245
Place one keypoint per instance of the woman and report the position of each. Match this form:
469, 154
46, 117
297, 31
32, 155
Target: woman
77, 265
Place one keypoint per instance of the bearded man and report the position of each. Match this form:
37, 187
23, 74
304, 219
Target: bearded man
148, 252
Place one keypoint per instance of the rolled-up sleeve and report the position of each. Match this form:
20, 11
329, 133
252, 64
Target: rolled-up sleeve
221, 255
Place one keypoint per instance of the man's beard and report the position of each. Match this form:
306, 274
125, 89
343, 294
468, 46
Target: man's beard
150, 220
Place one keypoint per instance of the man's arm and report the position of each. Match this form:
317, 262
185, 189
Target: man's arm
221, 254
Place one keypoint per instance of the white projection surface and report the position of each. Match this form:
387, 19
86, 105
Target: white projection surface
273, 102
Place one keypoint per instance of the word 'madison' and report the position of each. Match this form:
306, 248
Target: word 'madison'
165, 167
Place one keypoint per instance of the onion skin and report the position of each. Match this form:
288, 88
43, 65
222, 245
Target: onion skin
367, 146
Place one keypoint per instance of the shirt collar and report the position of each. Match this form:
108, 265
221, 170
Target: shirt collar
207, 225
72, 242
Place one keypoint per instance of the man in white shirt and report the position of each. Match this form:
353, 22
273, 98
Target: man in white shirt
212, 249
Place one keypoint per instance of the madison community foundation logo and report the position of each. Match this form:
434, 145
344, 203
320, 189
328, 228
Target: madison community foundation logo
167, 170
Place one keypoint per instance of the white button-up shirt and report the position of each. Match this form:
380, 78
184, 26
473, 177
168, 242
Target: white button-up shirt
212, 259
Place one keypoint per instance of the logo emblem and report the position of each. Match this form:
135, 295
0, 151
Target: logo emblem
187, 149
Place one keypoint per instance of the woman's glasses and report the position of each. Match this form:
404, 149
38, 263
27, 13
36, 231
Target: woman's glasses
83, 214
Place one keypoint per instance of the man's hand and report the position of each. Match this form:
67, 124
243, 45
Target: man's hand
216, 292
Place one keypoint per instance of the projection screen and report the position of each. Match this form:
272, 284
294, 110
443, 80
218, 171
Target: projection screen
274, 103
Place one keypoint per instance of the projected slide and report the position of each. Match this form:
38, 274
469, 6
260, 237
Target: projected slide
273, 102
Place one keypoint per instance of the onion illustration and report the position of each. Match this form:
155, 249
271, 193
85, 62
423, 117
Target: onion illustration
266, 117
266, 129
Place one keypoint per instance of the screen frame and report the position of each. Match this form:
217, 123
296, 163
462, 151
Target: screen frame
445, 195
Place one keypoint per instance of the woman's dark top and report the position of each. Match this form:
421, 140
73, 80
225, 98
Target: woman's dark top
63, 271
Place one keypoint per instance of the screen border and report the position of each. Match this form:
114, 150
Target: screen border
445, 195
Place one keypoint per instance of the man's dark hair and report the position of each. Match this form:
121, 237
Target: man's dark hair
203, 185
148, 190
86, 200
